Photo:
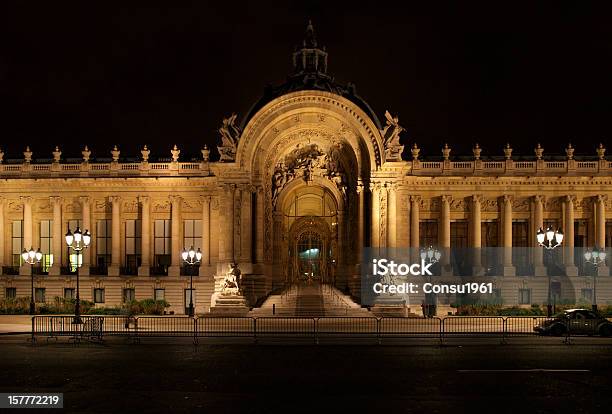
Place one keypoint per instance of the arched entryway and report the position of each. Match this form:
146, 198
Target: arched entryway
309, 213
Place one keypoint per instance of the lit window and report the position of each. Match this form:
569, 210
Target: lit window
46, 243
17, 242
159, 294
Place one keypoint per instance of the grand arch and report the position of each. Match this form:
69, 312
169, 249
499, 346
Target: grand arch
304, 145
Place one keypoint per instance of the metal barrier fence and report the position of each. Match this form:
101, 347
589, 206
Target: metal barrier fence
441, 328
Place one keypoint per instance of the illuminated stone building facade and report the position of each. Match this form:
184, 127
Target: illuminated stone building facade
303, 183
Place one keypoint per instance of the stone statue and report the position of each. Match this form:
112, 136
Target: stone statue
175, 153
145, 154
231, 284
115, 154
391, 139
230, 134
86, 153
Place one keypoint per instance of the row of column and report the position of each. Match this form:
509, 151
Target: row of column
57, 245
476, 220
236, 227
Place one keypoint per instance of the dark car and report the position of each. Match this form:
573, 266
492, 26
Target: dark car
577, 322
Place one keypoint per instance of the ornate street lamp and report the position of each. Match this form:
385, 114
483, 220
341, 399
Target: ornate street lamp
191, 258
77, 241
430, 255
595, 258
549, 239
32, 257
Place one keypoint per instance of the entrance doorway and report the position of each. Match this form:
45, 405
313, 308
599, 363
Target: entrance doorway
309, 256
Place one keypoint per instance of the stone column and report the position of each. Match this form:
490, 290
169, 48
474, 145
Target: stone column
175, 244
361, 222
414, 222
391, 215
27, 222
476, 235
245, 224
508, 269
145, 241
538, 251
2, 235
278, 271
58, 236
375, 191
205, 231
115, 268
444, 234
259, 250
568, 240
600, 208
86, 225
229, 223
27, 231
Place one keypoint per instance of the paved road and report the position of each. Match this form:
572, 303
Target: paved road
170, 376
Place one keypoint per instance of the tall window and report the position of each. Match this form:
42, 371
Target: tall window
162, 239
46, 243
133, 238
524, 296
72, 258
520, 244
459, 245
581, 238
103, 243
459, 234
608, 234
428, 233
192, 234
17, 242
69, 293
489, 239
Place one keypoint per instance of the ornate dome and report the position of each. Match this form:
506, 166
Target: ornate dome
310, 73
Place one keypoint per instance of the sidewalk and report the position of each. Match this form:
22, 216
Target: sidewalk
15, 324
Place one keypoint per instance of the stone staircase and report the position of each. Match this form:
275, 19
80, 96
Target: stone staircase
310, 299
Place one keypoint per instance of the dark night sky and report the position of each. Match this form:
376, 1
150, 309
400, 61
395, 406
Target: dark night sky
74, 73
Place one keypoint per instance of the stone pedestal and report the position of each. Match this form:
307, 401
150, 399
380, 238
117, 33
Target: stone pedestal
174, 270
55, 270
229, 305
603, 270
144, 271
388, 305
113, 270
508, 271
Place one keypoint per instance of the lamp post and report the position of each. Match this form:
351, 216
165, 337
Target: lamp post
31, 257
549, 240
430, 256
77, 241
191, 258
596, 258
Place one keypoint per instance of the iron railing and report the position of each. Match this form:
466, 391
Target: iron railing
315, 328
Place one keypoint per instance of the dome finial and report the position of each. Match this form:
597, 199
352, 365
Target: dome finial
309, 40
